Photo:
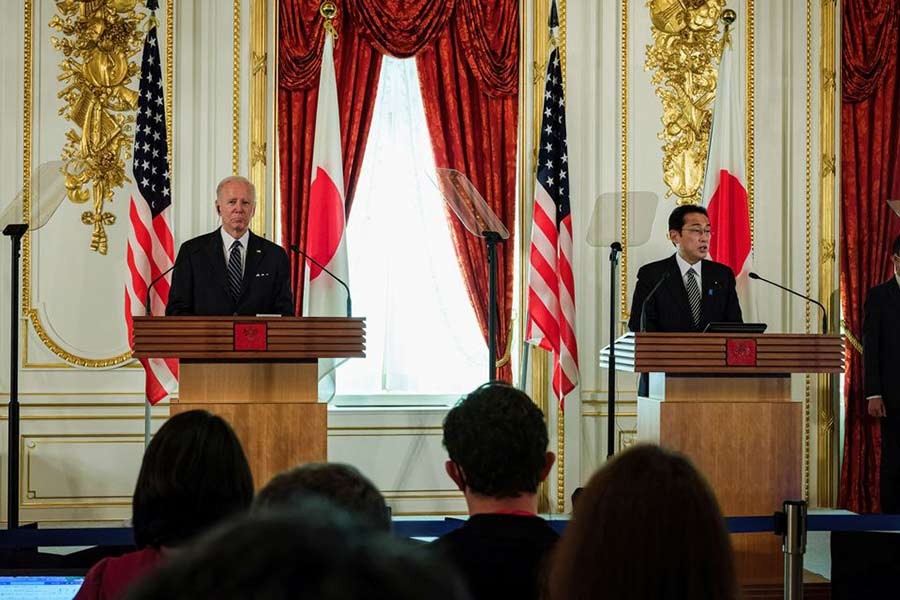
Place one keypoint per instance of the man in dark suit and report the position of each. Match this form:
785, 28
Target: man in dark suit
496, 440
881, 362
231, 271
695, 291
692, 292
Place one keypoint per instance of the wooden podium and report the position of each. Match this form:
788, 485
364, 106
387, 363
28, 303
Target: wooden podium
725, 401
258, 373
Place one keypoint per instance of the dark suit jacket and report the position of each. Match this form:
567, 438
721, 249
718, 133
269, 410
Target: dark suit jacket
200, 285
881, 344
669, 308
500, 555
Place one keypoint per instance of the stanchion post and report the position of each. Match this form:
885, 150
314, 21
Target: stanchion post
794, 547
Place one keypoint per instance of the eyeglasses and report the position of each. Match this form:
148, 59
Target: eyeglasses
698, 231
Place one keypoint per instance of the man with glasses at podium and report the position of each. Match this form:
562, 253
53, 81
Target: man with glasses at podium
686, 291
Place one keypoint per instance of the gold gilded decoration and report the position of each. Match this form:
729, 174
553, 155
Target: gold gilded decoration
538, 73
750, 160
236, 88
807, 182
328, 10
28, 311
683, 56
258, 126
854, 341
828, 449
102, 37
623, 41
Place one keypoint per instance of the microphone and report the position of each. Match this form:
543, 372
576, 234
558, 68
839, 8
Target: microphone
177, 262
647, 299
296, 249
752, 275
614, 249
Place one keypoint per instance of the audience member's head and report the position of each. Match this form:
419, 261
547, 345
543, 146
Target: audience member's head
576, 494
647, 526
497, 442
313, 551
342, 485
194, 474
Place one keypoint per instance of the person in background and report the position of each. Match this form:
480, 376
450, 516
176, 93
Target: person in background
647, 527
311, 551
342, 485
881, 357
496, 439
194, 475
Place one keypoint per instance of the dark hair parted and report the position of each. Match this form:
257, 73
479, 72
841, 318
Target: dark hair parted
313, 551
895, 248
647, 526
194, 474
676, 217
340, 484
497, 437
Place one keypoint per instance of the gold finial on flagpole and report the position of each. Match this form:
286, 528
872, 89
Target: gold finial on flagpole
328, 10
728, 17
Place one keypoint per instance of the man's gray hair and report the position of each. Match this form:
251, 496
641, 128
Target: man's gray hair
238, 179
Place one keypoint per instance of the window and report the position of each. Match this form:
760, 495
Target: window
422, 337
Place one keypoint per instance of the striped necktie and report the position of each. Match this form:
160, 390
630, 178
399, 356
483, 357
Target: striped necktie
234, 270
693, 292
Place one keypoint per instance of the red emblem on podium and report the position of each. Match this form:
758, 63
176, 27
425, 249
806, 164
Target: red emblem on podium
250, 336
740, 353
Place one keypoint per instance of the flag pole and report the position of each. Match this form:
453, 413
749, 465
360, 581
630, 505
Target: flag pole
146, 421
614, 250
492, 238
523, 370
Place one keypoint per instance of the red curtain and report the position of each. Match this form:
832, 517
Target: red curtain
357, 69
870, 175
468, 58
473, 120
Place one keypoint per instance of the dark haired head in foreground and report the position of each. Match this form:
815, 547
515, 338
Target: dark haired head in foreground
313, 552
341, 484
497, 442
647, 527
194, 474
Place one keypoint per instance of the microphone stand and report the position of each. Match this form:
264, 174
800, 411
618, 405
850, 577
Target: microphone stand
296, 250
15, 231
614, 250
491, 239
798, 294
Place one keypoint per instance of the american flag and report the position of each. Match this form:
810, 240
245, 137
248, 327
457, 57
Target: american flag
551, 285
151, 247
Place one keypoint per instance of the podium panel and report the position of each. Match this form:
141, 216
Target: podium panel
725, 401
258, 373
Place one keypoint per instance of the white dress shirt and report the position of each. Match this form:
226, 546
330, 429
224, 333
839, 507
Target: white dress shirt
685, 265
227, 241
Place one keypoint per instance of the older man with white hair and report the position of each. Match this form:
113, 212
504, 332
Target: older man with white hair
231, 271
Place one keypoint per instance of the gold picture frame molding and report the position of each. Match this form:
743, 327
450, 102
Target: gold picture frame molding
29, 312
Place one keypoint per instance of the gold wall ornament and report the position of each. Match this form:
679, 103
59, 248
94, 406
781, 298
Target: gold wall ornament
684, 58
328, 10
102, 36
